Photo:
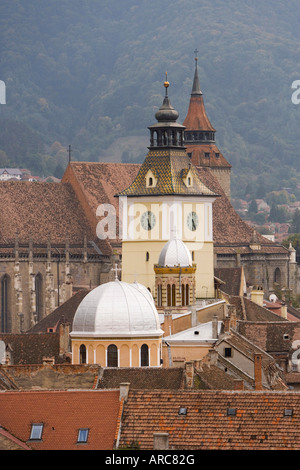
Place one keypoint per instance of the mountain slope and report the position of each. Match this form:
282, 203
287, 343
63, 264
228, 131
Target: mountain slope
90, 73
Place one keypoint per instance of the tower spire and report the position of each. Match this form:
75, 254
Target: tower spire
196, 84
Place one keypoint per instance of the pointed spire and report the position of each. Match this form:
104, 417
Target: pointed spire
196, 84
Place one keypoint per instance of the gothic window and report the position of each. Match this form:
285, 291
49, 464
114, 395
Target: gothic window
5, 282
277, 276
173, 295
159, 295
169, 302
187, 294
39, 296
144, 355
82, 354
112, 356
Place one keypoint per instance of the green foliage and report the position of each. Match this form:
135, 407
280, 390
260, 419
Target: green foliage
88, 73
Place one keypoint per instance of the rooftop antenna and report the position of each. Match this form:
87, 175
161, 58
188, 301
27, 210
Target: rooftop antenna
70, 151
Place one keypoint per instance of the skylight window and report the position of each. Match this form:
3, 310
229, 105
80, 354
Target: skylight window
231, 411
182, 411
36, 431
82, 435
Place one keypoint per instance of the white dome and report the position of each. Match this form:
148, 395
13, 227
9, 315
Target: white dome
116, 309
175, 253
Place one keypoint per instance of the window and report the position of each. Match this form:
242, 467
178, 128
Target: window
227, 352
112, 356
206, 154
36, 431
147, 256
231, 411
159, 295
288, 412
39, 296
150, 182
5, 303
171, 295
82, 354
82, 435
182, 411
144, 355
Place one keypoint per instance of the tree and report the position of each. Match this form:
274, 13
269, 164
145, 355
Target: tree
253, 207
295, 225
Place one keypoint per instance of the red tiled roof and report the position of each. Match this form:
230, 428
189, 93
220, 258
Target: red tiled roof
259, 424
196, 118
198, 157
63, 413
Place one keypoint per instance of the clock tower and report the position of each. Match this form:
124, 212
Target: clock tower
166, 199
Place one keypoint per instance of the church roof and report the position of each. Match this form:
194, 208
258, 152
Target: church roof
99, 182
197, 118
116, 309
175, 253
171, 167
43, 211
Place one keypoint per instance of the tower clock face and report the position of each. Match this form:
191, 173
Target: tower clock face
148, 220
192, 221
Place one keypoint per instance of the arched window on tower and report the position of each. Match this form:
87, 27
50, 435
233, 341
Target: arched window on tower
112, 356
82, 354
39, 296
159, 295
187, 294
5, 316
173, 295
169, 297
144, 355
277, 276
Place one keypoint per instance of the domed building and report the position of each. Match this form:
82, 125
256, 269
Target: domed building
175, 276
117, 325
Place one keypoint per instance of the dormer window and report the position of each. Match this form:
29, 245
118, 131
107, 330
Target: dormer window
188, 178
206, 154
151, 180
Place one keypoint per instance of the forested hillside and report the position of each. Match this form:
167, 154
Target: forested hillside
89, 73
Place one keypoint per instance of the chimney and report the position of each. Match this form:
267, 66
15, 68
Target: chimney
257, 295
189, 374
167, 327
283, 311
232, 314
160, 441
214, 325
239, 384
213, 357
124, 390
258, 371
226, 322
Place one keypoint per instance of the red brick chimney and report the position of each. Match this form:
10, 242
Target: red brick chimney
258, 371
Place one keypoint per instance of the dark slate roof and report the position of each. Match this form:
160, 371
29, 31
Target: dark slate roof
62, 314
142, 378
232, 278
32, 348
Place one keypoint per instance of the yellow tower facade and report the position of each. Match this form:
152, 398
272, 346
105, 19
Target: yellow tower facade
167, 198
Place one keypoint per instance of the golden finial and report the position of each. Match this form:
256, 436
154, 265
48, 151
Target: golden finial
166, 83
